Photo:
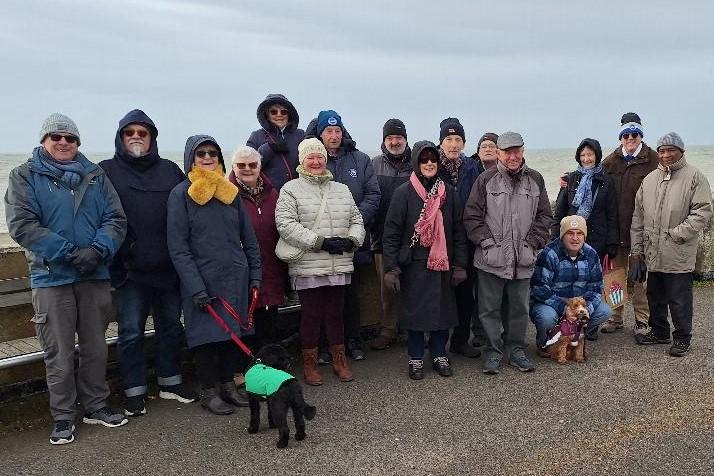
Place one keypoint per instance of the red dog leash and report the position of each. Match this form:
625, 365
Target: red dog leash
234, 314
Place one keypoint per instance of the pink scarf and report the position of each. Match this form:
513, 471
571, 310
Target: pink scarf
429, 228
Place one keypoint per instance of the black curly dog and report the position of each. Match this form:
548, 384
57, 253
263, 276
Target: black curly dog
289, 395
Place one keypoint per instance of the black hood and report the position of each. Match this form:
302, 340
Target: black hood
347, 142
418, 148
293, 117
137, 116
192, 143
594, 145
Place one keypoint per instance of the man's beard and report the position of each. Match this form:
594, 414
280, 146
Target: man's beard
136, 150
396, 151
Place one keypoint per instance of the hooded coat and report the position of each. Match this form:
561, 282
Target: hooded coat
603, 232
427, 299
391, 172
214, 249
278, 167
143, 184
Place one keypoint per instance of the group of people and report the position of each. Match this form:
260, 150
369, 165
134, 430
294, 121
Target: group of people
465, 248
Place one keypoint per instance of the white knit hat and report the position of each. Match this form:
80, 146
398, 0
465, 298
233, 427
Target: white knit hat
310, 146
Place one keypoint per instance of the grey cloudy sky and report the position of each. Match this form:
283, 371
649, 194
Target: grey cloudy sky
556, 71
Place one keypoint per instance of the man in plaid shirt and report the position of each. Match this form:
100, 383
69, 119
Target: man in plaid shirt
567, 267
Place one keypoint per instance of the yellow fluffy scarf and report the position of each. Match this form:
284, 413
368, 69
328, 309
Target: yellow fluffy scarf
206, 184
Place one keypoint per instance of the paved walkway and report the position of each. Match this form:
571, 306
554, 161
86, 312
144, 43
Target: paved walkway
628, 410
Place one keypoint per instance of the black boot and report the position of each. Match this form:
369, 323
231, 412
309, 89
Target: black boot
211, 401
233, 395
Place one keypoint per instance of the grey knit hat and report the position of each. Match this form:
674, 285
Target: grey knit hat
57, 122
673, 139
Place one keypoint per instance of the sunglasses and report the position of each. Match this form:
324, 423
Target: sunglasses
132, 132
631, 135
278, 112
251, 165
58, 137
430, 158
202, 153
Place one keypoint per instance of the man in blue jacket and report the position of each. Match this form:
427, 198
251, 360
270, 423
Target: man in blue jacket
566, 268
66, 214
142, 271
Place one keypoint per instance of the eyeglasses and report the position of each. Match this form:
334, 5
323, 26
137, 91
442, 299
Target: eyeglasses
132, 132
631, 135
278, 112
429, 158
202, 153
58, 137
251, 165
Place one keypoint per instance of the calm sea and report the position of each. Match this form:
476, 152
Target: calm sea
549, 162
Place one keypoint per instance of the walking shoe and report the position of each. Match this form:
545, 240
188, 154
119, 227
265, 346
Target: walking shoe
543, 352
178, 392
610, 327
211, 401
522, 363
466, 350
105, 416
382, 342
651, 338
416, 369
490, 366
641, 328
135, 406
354, 350
232, 394
339, 363
679, 348
441, 366
62, 433
324, 358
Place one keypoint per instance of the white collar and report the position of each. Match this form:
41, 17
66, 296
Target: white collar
635, 154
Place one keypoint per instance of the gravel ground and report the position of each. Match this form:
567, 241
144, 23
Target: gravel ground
629, 410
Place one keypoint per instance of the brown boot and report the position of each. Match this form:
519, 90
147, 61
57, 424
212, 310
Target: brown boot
309, 361
339, 363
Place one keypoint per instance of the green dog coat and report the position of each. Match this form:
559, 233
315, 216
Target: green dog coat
264, 381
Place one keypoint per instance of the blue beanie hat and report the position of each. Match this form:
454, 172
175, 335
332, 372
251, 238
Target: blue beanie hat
631, 127
326, 119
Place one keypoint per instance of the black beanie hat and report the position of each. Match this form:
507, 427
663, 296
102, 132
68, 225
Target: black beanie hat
449, 127
394, 127
487, 136
630, 117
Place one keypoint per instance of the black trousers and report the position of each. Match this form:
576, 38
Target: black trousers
671, 291
217, 362
465, 305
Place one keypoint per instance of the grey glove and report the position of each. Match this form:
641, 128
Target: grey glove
201, 300
86, 260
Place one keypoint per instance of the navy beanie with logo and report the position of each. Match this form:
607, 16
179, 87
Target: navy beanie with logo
326, 119
449, 127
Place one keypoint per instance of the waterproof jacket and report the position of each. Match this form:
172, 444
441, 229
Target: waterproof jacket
214, 249
672, 207
143, 185
468, 173
627, 177
508, 217
390, 175
50, 220
279, 167
295, 214
261, 210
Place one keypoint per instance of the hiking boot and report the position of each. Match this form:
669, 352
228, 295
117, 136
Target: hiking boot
651, 338
211, 401
62, 433
416, 369
640, 328
611, 327
339, 363
105, 416
543, 352
466, 350
135, 406
354, 350
309, 362
679, 348
232, 394
522, 363
490, 366
441, 366
324, 358
177, 392
382, 342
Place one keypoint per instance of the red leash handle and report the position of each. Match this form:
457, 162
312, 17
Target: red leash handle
251, 310
227, 329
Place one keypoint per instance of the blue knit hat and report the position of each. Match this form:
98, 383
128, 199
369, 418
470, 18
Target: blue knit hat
326, 119
631, 127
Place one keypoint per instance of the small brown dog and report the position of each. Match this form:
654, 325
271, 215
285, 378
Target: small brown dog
567, 339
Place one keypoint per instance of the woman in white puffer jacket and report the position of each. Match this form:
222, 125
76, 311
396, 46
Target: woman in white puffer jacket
324, 265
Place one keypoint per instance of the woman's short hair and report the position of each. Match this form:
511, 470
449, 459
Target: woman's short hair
246, 152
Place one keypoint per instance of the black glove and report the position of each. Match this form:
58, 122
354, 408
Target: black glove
86, 260
391, 280
332, 245
638, 269
201, 300
458, 276
279, 146
612, 251
346, 245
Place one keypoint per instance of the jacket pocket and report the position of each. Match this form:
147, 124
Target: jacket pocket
493, 256
39, 318
526, 255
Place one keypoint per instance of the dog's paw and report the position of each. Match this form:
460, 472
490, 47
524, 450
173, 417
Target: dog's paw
300, 435
282, 443
309, 412
253, 429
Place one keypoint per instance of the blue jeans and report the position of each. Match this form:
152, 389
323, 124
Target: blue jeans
134, 301
437, 343
544, 317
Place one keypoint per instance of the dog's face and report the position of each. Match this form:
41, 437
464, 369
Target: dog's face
275, 356
576, 309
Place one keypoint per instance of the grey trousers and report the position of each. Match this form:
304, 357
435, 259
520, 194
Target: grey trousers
60, 311
505, 329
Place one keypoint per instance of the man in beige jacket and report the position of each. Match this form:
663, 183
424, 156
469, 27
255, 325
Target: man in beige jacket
672, 206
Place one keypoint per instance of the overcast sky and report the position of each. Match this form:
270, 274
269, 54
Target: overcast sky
555, 71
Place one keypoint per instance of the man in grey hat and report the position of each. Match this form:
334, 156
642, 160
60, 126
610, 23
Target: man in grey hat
672, 206
507, 217
64, 211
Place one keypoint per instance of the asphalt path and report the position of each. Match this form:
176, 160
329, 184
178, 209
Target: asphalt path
629, 410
